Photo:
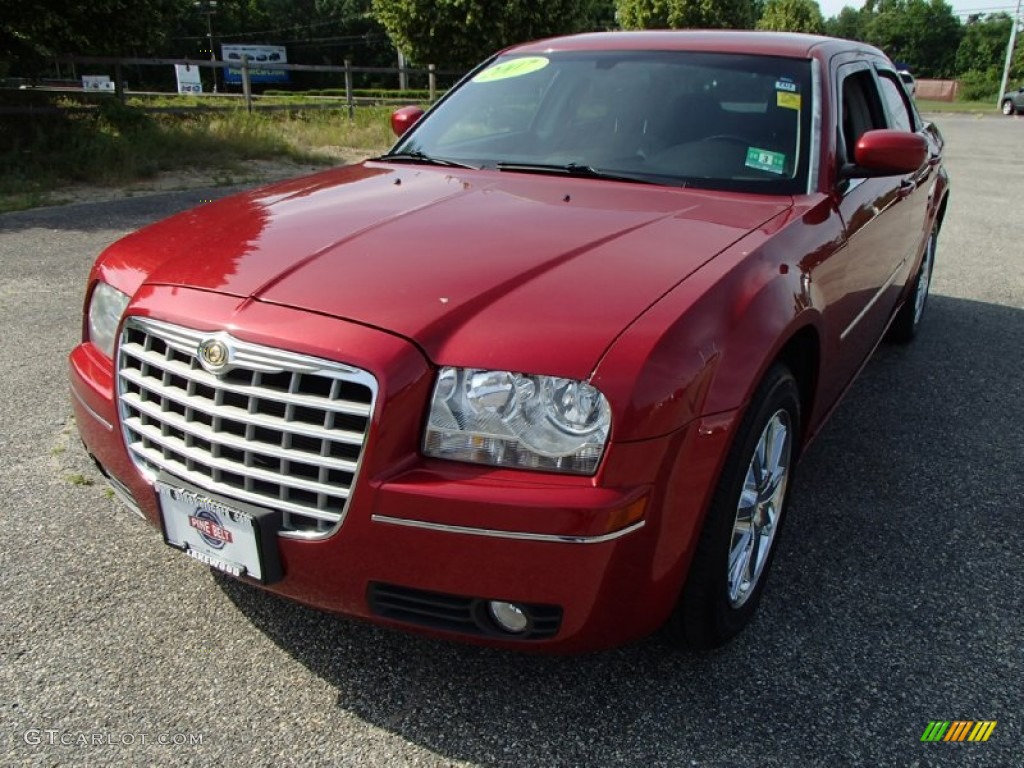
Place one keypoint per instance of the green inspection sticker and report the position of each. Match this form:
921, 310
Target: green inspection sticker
766, 160
514, 68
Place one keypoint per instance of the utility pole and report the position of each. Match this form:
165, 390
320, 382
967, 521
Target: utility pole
209, 7
403, 76
1009, 54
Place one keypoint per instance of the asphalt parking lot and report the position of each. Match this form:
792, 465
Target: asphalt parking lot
897, 597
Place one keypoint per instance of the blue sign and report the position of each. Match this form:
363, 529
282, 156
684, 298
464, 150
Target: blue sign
258, 57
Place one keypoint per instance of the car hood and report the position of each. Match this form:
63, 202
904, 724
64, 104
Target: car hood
478, 268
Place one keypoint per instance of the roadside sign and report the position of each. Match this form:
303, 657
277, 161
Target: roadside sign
258, 56
96, 83
188, 78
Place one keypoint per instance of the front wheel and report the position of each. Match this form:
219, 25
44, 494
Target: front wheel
736, 547
1008, 108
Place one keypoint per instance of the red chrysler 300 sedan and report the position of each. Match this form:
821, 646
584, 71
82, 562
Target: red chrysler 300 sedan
539, 376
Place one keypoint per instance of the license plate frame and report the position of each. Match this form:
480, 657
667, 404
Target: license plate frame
234, 537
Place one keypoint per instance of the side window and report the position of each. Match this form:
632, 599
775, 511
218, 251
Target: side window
861, 109
895, 96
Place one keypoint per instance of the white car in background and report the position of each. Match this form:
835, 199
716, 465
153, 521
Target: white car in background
909, 82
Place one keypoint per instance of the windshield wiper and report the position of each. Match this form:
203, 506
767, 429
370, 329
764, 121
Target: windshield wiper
578, 170
416, 156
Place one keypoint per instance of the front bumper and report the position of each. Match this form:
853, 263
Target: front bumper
608, 553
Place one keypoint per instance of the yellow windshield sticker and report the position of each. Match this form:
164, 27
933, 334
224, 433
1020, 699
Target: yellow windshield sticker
503, 70
788, 100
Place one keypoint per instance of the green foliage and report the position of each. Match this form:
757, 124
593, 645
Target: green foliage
680, 14
414, 94
979, 86
849, 24
983, 48
598, 16
456, 34
31, 31
792, 16
923, 33
314, 31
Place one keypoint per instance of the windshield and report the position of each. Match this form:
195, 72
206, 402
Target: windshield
710, 120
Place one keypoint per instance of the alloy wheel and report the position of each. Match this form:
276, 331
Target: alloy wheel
759, 511
924, 280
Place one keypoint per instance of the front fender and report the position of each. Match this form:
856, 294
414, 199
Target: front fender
703, 348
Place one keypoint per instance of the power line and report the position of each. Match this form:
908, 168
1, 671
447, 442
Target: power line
293, 28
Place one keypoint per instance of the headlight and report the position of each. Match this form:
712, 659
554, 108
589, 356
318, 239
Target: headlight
105, 310
515, 420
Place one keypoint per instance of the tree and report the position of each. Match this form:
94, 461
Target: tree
792, 16
923, 34
982, 55
983, 47
31, 32
677, 14
459, 33
598, 16
849, 24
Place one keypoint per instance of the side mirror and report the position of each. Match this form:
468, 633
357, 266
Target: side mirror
887, 153
404, 118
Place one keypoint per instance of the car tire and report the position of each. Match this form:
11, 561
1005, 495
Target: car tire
908, 320
736, 547
1008, 108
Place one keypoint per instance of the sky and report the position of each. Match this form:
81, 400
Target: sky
960, 7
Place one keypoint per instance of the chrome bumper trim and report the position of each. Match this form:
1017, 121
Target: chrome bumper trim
81, 401
552, 538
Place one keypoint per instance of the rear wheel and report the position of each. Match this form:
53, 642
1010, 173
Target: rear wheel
736, 547
1008, 108
904, 327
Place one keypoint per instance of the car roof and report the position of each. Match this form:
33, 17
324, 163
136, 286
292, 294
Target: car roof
790, 44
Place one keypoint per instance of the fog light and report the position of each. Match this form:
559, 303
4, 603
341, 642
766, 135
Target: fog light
508, 616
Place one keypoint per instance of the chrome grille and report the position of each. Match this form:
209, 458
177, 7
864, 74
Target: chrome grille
275, 429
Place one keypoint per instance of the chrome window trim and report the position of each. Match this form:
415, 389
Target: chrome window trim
497, 534
817, 98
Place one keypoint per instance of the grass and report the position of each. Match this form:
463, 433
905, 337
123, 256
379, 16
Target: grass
977, 107
118, 144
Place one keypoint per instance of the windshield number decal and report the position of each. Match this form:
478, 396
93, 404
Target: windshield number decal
766, 160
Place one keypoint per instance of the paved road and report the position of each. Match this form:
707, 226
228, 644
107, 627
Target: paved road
897, 598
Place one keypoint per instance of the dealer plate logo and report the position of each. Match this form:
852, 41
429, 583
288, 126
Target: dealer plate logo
210, 528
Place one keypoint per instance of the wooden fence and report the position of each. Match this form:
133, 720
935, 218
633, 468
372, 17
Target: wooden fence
116, 67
